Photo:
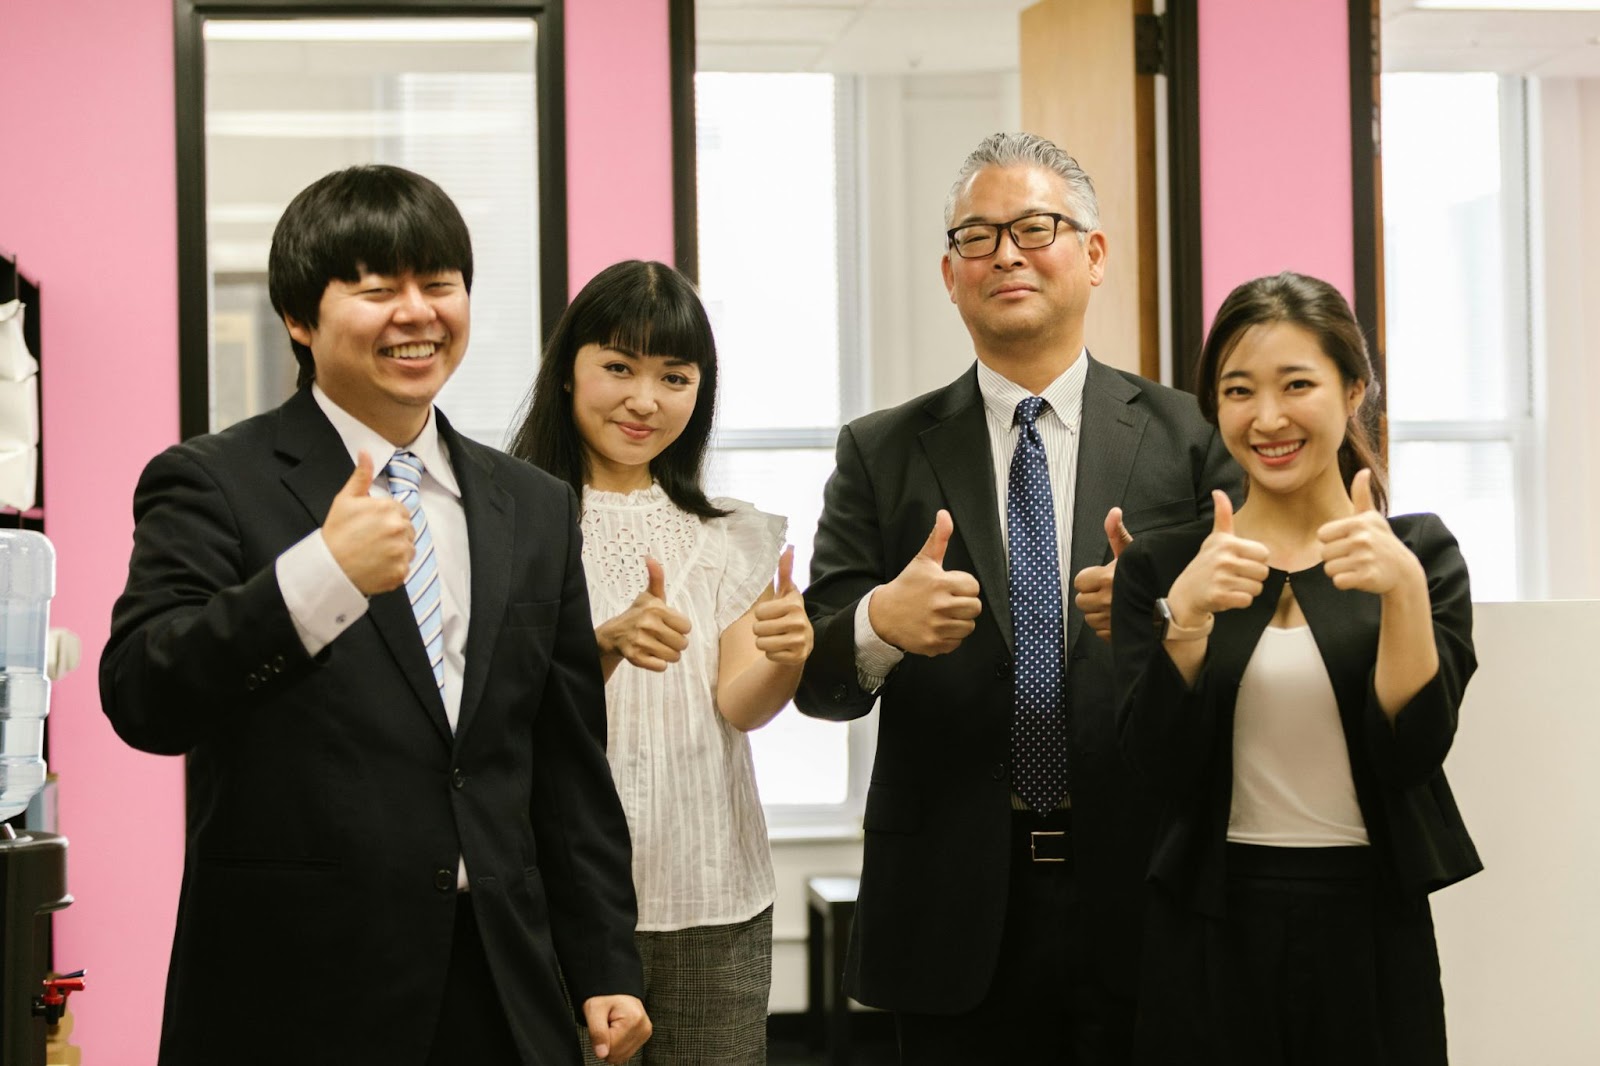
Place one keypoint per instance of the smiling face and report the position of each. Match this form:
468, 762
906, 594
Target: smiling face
628, 409
1283, 410
385, 344
1018, 300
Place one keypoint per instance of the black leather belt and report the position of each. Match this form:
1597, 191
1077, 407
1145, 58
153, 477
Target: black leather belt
1042, 837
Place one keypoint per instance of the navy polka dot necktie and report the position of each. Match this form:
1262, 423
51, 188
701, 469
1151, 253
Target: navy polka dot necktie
1038, 724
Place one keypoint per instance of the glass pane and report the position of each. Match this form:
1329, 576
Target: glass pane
1444, 254
768, 245
289, 101
1469, 485
799, 760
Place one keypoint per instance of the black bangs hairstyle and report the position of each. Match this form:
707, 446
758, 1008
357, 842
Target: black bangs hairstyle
1320, 310
642, 307
378, 218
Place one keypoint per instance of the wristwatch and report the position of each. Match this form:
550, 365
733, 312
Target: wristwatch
1167, 627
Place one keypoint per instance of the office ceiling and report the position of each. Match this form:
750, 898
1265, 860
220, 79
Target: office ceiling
951, 36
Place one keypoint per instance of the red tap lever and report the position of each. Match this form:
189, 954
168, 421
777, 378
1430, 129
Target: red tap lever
53, 1002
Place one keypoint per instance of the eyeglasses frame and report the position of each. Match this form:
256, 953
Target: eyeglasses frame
999, 227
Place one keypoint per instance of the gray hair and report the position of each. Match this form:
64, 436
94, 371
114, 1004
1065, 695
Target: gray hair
1028, 149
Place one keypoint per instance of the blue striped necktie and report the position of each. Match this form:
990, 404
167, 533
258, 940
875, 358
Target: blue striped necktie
422, 584
1038, 724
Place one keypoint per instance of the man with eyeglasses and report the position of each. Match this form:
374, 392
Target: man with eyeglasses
1001, 891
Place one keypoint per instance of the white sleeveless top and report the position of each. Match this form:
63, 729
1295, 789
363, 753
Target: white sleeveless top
1292, 786
685, 776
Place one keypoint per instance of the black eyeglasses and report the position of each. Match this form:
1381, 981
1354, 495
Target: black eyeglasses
978, 240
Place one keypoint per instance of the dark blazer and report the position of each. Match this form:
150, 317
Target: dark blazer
929, 918
328, 800
1180, 742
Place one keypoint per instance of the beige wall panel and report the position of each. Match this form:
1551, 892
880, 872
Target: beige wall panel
1080, 89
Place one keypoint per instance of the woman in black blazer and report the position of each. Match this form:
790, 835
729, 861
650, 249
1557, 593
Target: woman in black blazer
1289, 679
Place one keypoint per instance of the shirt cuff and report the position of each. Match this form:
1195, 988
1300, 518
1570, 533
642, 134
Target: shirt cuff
876, 658
322, 601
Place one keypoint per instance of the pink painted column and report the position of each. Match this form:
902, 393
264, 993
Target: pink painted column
87, 204
1274, 143
619, 134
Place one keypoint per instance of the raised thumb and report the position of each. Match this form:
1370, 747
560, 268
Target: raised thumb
1116, 533
786, 571
939, 539
1361, 491
657, 586
361, 478
1222, 517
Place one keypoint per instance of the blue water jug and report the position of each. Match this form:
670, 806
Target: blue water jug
27, 582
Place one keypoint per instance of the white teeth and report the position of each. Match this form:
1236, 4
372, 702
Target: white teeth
1278, 451
411, 351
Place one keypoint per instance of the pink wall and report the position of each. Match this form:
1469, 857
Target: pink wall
619, 135
1274, 143
87, 205
87, 194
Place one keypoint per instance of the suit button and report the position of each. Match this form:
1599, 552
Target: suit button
458, 779
1002, 669
840, 692
252, 682
278, 664
444, 880
998, 772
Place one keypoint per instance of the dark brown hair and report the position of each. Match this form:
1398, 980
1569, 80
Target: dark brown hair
1319, 309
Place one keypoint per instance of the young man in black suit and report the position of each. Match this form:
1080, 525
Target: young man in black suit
1001, 897
371, 638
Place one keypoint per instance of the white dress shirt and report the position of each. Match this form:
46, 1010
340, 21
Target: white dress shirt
1058, 429
323, 602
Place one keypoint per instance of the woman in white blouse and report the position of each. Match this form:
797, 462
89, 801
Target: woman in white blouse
1290, 678
682, 588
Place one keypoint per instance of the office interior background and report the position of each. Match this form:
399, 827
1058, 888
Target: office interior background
149, 145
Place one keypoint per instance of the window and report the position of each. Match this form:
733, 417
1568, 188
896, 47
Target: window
1460, 371
777, 226
287, 101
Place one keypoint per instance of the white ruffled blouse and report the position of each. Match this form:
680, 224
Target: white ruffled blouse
685, 776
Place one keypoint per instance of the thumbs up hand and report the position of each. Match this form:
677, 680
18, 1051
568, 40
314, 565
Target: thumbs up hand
648, 634
1225, 575
1362, 552
370, 537
1093, 583
782, 630
926, 609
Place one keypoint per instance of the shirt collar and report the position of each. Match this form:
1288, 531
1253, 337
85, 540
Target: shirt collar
357, 437
1064, 395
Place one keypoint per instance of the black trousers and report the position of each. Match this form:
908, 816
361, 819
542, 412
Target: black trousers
472, 1023
1046, 1003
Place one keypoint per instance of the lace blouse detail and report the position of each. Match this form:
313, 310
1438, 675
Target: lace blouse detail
685, 776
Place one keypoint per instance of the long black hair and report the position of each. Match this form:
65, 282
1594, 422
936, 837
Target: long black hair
643, 307
1320, 310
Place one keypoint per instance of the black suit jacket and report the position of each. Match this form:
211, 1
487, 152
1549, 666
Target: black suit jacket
935, 871
328, 800
1180, 739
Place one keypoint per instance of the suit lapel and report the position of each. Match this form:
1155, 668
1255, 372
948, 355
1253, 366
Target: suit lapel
957, 447
319, 467
491, 518
1108, 437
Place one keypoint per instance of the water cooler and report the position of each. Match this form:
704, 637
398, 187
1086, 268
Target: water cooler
33, 864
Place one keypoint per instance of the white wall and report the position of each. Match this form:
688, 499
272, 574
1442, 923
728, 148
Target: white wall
1565, 258
1520, 943
916, 131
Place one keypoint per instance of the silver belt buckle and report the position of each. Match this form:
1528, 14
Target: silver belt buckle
1033, 843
